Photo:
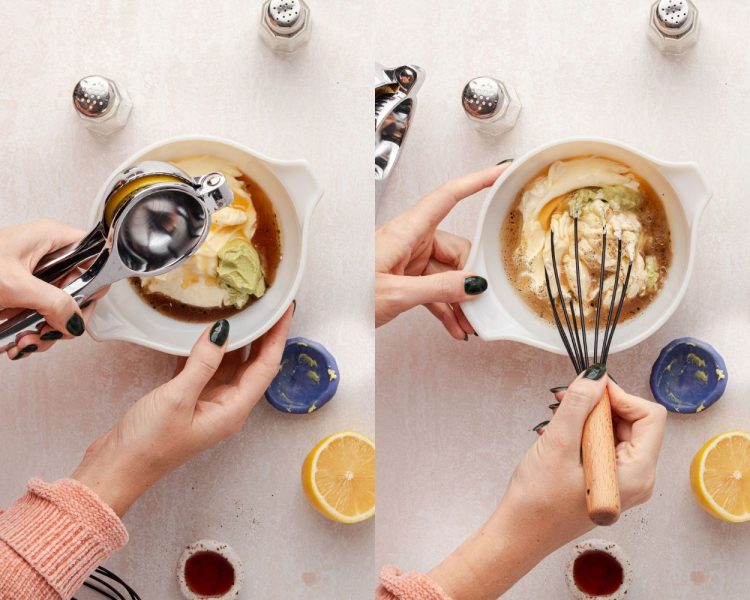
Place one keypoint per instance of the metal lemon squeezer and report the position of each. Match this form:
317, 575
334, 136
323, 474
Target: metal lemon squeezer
154, 217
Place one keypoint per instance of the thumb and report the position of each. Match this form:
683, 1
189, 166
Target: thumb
577, 403
204, 360
449, 287
58, 308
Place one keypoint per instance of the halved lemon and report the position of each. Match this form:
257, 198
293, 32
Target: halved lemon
720, 476
338, 477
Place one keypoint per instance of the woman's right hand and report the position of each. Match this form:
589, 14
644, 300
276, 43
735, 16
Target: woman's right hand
545, 504
21, 249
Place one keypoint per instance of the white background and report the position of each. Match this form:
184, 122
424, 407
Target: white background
454, 418
197, 68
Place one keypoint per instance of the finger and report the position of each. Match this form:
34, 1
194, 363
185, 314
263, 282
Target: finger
254, 377
448, 318
581, 397
448, 287
42, 237
58, 308
228, 368
202, 363
450, 249
436, 205
647, 419
623, 429
44, 340
462, 320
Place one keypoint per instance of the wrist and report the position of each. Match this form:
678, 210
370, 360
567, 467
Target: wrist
495, 557
110, 478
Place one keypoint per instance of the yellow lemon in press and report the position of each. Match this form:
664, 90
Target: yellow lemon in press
338, 477
720, 476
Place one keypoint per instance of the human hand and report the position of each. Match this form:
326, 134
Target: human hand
206, 402
21, 249
416, 263
545, 504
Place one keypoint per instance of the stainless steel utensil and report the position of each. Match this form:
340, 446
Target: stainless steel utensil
395, 102
102, 105
154, 218
490, 105
58, 264
285, 25
673, 25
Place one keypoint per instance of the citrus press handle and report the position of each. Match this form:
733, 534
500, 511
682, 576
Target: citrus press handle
56, 265
31, 321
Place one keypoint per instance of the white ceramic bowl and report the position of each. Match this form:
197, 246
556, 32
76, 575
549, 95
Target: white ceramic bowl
294, 192
501, 313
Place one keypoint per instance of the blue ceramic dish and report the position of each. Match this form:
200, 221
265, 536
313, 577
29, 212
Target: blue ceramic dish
689, 376
308, 378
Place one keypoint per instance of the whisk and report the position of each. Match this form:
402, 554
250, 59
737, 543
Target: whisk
597, 445
106, 584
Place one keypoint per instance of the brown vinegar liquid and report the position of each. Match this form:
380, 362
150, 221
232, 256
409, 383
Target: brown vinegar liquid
209, 574
597, 573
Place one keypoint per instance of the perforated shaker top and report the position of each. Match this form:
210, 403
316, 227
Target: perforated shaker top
484, 98
674, 16
286, 16
93, 96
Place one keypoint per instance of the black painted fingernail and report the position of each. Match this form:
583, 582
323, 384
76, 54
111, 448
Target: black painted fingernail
502, 162
219, 332
559, 388
466, 337
86, 304
476, 334
51, 335
17, 356
29, 348
75, 325
541, 425
475, 285
595, 372
554, 406
294, 307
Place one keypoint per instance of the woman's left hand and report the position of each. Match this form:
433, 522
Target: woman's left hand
206, 402
416, 263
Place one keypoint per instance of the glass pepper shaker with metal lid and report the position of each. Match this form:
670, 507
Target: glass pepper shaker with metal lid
102, 105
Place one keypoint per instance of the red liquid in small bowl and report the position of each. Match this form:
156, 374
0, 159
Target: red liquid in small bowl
209, 574
597, 573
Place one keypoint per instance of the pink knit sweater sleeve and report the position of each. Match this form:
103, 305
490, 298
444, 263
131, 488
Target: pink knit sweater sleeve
395, 585
52, 538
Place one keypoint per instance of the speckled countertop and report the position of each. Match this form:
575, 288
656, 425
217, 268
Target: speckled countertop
197, 67
454, 418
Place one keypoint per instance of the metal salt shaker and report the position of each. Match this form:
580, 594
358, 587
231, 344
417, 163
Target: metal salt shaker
491, 106
673, 25
285, 24
102, 105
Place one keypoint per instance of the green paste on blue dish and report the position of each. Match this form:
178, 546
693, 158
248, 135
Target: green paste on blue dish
308, 378
688, 376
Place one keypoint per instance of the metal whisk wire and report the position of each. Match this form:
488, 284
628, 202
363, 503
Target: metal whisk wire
109, 585
575, 341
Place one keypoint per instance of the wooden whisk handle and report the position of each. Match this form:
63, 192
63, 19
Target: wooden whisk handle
599, 465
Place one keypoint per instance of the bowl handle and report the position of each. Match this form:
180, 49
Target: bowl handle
486, 313
691, 188
302, 186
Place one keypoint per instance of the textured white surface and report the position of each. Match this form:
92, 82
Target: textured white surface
454, 418
197, 67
